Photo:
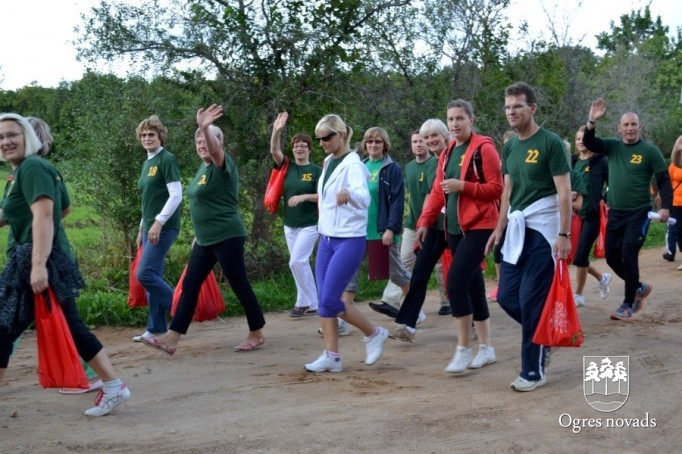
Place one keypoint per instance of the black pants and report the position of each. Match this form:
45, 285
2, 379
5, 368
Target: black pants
466, 287
230, 254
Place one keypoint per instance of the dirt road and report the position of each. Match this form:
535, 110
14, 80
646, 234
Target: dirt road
209, 399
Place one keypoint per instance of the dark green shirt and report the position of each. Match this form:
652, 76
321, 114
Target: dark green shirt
156, 174
454, 170
419, 178
580, 177
214, 203
630, 170
301, 180
532, 165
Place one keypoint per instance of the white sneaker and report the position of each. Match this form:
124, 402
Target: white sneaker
604, 289
679, 267
374, 346
579, 300
485, 355
462, 359
421, 318
105, 402
344, 329
523, 385
145, 335
324, 364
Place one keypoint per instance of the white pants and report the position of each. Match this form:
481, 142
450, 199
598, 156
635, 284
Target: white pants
393, 294
301, 242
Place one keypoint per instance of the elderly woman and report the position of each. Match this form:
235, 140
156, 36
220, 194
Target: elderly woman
219, 237
300, 212
38, 259
161, 194
343, 201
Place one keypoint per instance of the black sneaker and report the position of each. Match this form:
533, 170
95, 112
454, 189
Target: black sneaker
445, 310
384, 308
668, 257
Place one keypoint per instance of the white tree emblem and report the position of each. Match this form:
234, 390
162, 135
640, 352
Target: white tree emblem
599, 372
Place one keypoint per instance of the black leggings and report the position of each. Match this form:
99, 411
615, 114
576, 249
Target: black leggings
466, 287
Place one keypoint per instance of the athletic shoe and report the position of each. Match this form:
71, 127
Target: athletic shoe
604, 285
492, 296
374, 346
485, 355
344, 330
421, 318
523, 385
679, 267
107, 401
400, 332
445, 310
461, 361
145, 335
668, 256
640, 296
384, 308
622, 313
324, 364
579, 300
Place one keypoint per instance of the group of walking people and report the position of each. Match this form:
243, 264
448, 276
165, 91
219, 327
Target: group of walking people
465, 198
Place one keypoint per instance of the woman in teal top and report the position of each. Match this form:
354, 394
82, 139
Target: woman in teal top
219, 237
38, 259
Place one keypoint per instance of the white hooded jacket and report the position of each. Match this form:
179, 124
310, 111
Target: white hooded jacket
349, 220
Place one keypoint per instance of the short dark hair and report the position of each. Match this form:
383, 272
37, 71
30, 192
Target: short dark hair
522, 88
305, 138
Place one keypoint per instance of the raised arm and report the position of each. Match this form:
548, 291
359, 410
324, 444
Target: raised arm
590, 139
275, 145
676, 155
205, 118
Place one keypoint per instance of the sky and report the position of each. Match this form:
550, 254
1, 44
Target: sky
46, 56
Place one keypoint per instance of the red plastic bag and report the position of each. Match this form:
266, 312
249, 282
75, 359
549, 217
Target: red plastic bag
576, 226
58, 363
137, 295
559, 324
275, 188
210, 303
600, 245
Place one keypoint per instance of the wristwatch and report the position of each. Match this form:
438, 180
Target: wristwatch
567, 235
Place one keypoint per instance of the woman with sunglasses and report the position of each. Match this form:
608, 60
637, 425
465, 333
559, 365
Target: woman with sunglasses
300, 212
343, 200
161, 195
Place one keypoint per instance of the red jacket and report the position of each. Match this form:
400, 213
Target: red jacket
478, 206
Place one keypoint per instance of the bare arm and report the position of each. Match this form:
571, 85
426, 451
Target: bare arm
496, 236
676, 155
205, 118
562, 246
43, 232
275, 145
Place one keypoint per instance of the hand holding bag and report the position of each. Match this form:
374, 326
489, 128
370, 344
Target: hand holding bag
275, 189
58, 363
600, 244
559, 324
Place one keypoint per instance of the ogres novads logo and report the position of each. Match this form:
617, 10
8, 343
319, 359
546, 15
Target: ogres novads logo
606, 381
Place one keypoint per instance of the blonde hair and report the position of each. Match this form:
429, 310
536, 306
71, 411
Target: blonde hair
377, 133
333, 123
32, 144
153, 123
435, 125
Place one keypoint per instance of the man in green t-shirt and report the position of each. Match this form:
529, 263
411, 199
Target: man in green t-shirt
632, 164
535, 209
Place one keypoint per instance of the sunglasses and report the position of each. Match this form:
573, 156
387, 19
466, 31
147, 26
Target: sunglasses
326, 138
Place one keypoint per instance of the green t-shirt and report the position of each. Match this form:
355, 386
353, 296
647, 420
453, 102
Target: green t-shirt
34, 178
214, 203
373, 186
532, 165
301, 180
419, 178
630, 170
156, 174
580, 179
454, 170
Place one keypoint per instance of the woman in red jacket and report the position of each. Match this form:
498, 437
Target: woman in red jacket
468, 185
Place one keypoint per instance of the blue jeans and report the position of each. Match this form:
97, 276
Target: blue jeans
150, 275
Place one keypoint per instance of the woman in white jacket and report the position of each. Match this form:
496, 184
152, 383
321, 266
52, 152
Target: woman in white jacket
343, 199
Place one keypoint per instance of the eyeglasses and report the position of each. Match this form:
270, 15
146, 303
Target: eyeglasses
326, 138
147, 134
301, 145
371, 141
10, 136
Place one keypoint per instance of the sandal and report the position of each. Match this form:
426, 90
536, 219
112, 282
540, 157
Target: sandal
249, 345
302, 311
154, 342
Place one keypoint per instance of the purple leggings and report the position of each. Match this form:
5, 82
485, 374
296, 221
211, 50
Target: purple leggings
338, 258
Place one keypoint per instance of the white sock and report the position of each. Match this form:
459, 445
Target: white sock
113, 386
